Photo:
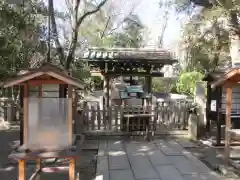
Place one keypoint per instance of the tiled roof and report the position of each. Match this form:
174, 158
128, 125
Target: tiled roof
129, 54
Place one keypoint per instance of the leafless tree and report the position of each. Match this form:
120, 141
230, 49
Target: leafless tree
77, 16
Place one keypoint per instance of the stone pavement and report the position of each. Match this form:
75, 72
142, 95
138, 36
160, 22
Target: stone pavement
156, 160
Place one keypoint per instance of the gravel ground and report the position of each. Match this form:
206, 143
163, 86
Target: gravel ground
86, 166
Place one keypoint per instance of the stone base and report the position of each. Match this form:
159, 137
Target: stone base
193, 127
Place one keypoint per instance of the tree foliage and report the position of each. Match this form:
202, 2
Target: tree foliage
214, 45
206, 47
163, 84
187, 82
20, 42
132, 34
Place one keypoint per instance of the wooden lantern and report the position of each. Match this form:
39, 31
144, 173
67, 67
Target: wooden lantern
45, 77
228, 80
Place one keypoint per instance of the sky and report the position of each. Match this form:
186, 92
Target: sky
150, 15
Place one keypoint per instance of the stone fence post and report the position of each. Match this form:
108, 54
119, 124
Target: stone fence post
197, 121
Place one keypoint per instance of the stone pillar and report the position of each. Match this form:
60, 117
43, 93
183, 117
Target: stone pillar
200, 100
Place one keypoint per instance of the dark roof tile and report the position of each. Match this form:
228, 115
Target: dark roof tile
158, 55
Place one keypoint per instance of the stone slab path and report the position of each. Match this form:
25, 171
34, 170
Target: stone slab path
157, 160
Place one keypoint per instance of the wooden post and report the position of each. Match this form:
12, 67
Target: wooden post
149, 84
21, 170
208, 107
38, 169
108, 92
149, 79
25, 114
104, 92
219, 115
40, 95
75, 110
21, 116
228, 121
69, 118
72, 164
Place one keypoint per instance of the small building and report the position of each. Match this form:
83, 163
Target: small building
216, 102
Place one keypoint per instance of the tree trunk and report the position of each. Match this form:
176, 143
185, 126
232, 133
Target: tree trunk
234, 37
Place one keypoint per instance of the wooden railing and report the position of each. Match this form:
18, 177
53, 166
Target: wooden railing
173, 115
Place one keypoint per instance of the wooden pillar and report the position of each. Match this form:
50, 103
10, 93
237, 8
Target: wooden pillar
219, 114
21, 118
40, 94
105, 85
75, 111
105, 91
149, 88
69, 118
149, 79
108, 91
228, 121
21, 170
72, 164
208, 107
38, 169
25, 114
149, 84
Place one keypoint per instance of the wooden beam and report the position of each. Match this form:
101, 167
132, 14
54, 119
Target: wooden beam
152, 74
25, 114
70, 102
229, 84
127, 73
45, 81
228, 121
229, 75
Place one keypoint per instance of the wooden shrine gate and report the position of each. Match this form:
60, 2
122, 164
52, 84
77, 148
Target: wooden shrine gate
165, 117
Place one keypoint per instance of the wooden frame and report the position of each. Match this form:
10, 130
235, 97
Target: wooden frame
46, 74
215, 87
228, 80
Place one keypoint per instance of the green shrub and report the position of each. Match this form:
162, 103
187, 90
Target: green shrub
187, 82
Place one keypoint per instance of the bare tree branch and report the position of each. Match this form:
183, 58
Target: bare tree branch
79, 21
88, 13
55, 34
105, 28
164, 26
70, 9
121, 22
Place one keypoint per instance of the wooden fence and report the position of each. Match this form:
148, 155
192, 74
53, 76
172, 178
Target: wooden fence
167, 115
